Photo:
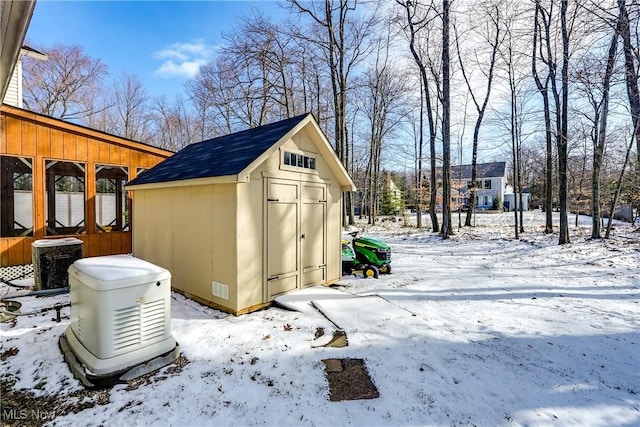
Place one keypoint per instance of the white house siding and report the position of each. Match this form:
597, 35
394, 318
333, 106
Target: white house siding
14, 93
512, 201
486, 196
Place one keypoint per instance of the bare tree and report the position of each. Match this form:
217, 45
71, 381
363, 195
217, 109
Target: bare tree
494, 39
131, 108
564, 125
634, 198
537, 47
631, 62
417, 22
266, 55
383, 95
65, 85
510, 60
345, 45
447, 227
548, 27
204, 120
223, 93
174, 127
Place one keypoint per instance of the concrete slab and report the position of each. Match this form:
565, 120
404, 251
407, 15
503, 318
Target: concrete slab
301, 300
359, 313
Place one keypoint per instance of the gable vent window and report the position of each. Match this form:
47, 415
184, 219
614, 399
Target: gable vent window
299, 160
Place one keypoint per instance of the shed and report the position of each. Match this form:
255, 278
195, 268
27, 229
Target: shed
243, 218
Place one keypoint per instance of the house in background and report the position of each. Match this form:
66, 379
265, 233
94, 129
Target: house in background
493, 192
243, 218
490, 185
60, 179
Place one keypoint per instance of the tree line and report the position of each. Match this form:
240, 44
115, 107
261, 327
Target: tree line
551, 86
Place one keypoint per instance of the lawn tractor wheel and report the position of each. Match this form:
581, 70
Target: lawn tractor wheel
370, 271
385, 269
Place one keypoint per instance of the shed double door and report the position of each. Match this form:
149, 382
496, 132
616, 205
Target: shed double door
296, 236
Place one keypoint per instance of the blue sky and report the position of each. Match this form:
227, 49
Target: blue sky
161, 42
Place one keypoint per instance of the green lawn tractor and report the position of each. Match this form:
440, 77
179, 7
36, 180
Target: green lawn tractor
366, 256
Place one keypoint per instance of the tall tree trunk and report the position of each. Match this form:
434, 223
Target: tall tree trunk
614, 202
544, 92
480, 108
598, 149
631, 78
433, 188
564, 123
447, 228
419, 172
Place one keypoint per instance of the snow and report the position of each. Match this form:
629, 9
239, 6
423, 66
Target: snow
480, 329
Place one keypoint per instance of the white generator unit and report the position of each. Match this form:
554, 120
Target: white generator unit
120, 319
51, 259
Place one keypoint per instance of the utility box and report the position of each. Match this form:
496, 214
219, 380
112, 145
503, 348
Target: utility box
120, 313
51, 259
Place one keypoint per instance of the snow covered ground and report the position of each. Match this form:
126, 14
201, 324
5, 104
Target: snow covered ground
481, 330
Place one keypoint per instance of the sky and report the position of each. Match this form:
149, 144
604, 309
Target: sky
161, 42
480, 329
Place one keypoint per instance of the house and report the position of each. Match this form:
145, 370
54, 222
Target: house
243, 218
61, 179
490, 185
492, 189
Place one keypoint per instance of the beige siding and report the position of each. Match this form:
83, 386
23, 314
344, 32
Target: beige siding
192, 227
153, 241
190, 231
226, 247
334, 233
251, 275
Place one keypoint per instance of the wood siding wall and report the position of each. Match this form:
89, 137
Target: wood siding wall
41, 138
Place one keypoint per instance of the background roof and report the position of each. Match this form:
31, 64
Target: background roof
222, 156
484, 170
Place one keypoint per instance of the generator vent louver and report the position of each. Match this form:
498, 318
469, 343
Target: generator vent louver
80, 331
137, 324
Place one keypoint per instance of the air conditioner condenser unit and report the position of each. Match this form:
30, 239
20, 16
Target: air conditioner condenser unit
120, 320
51, 259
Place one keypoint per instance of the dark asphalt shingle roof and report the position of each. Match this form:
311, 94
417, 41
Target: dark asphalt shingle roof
484, 170
222, 156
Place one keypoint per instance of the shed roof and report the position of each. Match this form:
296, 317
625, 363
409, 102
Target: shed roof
233, 155
484, 170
